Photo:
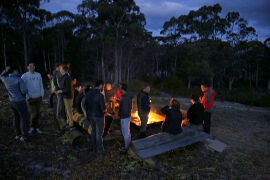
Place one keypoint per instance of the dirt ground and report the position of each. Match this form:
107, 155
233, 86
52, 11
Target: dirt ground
246, 131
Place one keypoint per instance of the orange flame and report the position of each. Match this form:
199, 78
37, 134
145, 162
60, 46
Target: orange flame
153, 118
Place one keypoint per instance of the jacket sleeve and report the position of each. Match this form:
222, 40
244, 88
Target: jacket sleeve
120, 108
23, 87
55, 81
102, 105
3, 75
67, 85
165, 110
41, 86
145, 103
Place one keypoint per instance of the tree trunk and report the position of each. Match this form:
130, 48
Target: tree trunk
268, 85
116, 59
44, 60
25, 49
120, 65
102, 62
212, 81
189, 83
128, 70
230, 83
257, 76
4, 49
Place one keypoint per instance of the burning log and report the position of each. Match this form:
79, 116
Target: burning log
164, 142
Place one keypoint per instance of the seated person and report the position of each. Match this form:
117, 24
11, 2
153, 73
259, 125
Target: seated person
172, 123
196, 111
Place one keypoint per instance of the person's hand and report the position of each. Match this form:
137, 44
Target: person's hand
7, 68
103, 92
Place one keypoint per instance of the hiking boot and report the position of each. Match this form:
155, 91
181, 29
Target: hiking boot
31, 130
39, 131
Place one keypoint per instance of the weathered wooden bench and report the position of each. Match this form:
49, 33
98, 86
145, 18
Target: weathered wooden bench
164, 142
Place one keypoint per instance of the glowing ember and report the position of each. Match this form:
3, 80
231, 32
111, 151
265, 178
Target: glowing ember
153, 118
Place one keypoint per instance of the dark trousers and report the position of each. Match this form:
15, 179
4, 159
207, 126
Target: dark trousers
207, 122
21, 117
144, 118
34, 111
51, 99
60, 111
97, 124
108, 122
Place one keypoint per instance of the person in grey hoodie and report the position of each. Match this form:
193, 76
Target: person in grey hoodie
125, 107
34, 85
16, 92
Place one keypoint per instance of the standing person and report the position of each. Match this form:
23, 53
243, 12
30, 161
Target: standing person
34, 85
110, 103
143, 104
57, 78
66, 90
95, 107
17, 92
52, 89
208, 104
196, 111
172, 123
125, 115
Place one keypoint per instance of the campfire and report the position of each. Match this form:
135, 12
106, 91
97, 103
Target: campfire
153, 118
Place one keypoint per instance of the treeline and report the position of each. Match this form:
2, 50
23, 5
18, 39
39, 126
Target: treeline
107, 40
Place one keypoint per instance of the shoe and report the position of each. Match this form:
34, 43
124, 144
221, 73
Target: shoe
24, 139
123, 150
31, 130
17, 137
39, 131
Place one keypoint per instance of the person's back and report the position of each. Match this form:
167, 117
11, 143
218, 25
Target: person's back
195, 113
15, 87
125, 105
172, 123
99, 105
89, 101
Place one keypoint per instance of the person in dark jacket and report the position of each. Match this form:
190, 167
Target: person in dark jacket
172, 123
196, 111
95, 108
66, 90
17, 95
125, 107
77, 90
57, 78
143, 105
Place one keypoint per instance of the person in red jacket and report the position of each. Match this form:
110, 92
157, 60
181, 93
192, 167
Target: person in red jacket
208, 103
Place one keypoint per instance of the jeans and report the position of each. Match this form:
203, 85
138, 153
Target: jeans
60, 111
125, 127
51, 99
108, 122
68, 107
207, 122
97, 124
144, 118
21, 119
34, 111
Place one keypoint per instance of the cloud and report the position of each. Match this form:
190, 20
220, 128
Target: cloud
159, 11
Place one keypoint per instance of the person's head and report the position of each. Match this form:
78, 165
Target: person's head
108, 86
87, 89
57, 66
194, 98
78, 87
175, 104
63, 69
31, 67
13, 70
99, 84
74, 81
123, 88
204, 86
146, 88
67, 63
50, 76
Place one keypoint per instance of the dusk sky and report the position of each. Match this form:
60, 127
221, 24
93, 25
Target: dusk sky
256, 12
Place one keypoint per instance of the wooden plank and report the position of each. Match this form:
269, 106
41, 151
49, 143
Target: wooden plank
156, 150
217, 145
163, 138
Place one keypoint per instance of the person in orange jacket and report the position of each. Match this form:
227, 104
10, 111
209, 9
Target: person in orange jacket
208, 103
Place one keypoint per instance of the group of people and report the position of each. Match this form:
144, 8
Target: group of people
99, 103
25, 93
